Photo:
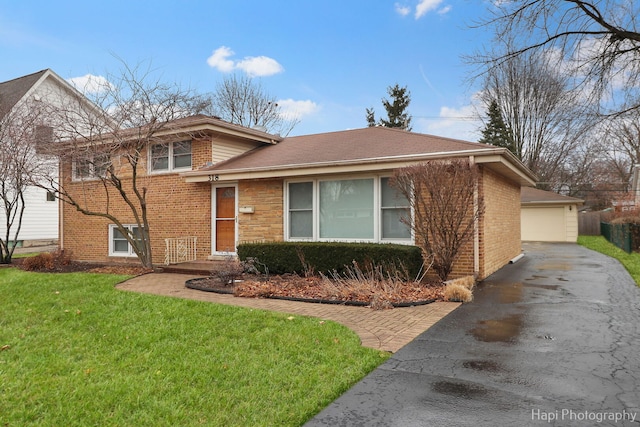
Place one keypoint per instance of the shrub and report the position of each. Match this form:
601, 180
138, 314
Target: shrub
303, 257
47, 261
457, 293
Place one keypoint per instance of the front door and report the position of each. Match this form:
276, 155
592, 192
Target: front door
225, 219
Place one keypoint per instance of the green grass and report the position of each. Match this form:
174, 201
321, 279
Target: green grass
78, 352
599, 244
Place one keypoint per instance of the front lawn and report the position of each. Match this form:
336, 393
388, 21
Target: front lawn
76, 351
599, 244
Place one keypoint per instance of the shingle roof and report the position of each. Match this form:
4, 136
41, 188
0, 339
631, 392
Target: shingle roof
530, 195
344, 146
13, 90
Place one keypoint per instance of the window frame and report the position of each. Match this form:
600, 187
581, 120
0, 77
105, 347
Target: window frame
315, 188
112, 252
91, 161
406, 208
171, 157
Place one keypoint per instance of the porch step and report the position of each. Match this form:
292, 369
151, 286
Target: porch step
203, 268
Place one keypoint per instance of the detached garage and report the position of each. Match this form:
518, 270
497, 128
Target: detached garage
547, 216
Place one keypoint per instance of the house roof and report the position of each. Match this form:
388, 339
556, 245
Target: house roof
534, 196
186, 127
209, 124
353, 150
14, 90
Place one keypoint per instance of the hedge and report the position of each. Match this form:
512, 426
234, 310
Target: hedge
284, 257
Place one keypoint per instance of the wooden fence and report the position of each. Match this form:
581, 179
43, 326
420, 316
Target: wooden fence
589, 223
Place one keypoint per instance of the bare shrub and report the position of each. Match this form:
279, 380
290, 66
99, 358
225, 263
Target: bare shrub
229, 271
468, 282
457, 293
376, 283
445, 206
309, 270
48, 261
253, 266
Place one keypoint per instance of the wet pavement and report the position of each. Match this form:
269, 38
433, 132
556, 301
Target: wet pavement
551, 340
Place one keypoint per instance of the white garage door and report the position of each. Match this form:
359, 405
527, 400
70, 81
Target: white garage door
544, 224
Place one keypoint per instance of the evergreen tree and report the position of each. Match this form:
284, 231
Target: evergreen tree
371, 117
496, 131
397, 116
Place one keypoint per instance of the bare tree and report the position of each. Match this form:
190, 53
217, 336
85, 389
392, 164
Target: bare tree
445, 207
545, 120
108, 146
19, 165
243, 101
596, 41
624, 147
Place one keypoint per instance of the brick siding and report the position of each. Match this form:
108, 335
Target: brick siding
500, 228
175, 209
266, 223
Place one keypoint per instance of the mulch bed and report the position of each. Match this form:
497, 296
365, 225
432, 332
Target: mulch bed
287, 286
313, 289
84, 267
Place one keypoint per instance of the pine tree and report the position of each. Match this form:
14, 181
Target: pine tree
397, 116
496, 131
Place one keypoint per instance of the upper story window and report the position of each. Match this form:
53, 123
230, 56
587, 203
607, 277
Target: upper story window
91, 166
170, 156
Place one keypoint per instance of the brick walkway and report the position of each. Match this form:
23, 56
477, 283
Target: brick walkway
387, 330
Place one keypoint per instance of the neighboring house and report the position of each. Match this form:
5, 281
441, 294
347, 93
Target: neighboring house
230, 184
40, 220
549, 216
635, 185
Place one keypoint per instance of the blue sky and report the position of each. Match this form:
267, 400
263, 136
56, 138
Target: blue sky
326, 60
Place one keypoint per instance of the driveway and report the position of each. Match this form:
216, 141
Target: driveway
551, 340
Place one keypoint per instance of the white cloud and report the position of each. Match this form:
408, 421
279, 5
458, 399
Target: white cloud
459, 123
426, 6
90, 83
444, 10
259, 66
292, 110
254, 66
402, 9
219, 59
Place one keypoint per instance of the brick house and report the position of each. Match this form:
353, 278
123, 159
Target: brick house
223, 184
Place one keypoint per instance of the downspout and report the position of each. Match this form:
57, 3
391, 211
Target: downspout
476, 226
60, 211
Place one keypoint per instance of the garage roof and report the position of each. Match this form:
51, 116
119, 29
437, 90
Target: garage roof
530, 195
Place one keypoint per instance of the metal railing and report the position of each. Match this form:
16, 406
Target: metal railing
180, 249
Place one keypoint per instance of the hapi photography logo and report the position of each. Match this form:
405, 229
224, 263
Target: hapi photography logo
572, 415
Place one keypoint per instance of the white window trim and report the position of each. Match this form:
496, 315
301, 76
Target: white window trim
112, 252
377, 211
92, 169
170, 168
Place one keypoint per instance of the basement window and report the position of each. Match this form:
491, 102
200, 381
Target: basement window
118, 243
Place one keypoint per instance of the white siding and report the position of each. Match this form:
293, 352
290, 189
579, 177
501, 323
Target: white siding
40, 220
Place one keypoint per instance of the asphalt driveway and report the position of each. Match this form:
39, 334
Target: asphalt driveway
551, 340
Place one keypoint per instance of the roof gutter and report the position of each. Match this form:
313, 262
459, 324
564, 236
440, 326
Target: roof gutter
388, 162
